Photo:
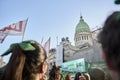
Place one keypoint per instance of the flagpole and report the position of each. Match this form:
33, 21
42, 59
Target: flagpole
24, 30
42, 40
57, 40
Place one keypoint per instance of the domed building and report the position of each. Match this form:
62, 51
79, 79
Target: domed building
82, 33
86, 46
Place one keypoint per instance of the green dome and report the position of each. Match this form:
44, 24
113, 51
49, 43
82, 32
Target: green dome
82, 26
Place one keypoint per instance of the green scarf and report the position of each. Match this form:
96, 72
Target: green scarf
25, 46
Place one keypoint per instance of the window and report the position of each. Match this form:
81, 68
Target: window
87, 37
82, 38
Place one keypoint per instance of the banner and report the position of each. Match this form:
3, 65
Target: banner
59, 55
47, 47
13, 29
75, 66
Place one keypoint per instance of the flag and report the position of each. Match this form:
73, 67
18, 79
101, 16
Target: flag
13, 29
47, 47
2, 37
42, 40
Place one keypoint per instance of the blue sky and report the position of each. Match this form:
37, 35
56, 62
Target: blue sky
52, 18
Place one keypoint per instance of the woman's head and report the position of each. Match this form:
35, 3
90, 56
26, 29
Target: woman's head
55, 73
109, 37
87, 76
97, 74
28, 58
68, 77
77, 75
35, 59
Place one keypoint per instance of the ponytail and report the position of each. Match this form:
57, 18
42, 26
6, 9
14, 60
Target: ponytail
15, 65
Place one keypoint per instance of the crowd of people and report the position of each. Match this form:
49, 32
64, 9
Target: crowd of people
92, 74
28, 59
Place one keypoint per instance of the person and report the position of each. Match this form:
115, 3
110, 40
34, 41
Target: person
109, 38
55, 73
27, 62
77, 75
97, 74
87, 76
82, 77
67, 77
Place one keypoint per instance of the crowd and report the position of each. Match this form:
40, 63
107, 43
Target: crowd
92, 74
28, 59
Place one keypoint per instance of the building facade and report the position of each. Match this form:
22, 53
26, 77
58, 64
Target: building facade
86, 45
2, 63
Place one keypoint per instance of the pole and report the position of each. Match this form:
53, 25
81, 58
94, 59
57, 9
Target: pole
42, 40
24, 29
57, 40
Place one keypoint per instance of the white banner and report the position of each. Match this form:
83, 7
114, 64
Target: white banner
59, 55
47, 47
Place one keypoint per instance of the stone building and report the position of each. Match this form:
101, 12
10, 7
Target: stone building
86, 45
2, 63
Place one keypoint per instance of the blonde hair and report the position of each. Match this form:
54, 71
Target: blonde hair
87, 76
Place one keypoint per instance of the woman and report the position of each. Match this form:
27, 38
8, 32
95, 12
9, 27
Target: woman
79, 76
109, 38
55, 73
68, 77
82, 77
97, 74
27, 62
87, 76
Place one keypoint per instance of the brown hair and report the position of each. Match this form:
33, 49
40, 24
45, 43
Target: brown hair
97, 74
77, 75
23, 65
67, 77
109, 38
55, 73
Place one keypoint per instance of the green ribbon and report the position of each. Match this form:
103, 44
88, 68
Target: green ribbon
117, 1
25, 46
118, 16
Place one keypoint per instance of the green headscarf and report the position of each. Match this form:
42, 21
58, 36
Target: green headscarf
25, 46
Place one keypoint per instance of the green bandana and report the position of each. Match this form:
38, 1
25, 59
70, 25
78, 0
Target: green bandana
25, 46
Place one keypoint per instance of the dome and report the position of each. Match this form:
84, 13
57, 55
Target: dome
82, 26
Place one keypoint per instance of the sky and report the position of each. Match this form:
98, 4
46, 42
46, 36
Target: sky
52, 18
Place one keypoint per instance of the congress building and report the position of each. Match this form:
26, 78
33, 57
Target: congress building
86, 45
